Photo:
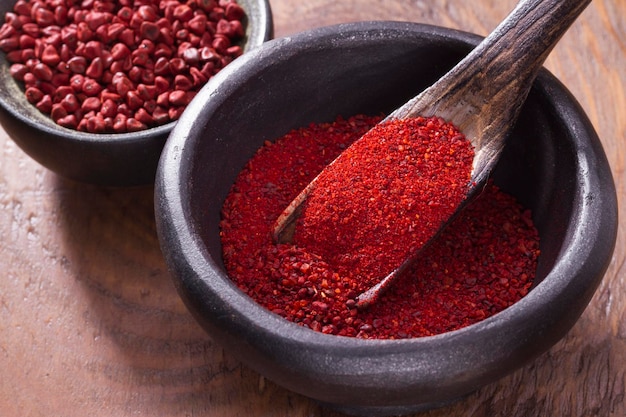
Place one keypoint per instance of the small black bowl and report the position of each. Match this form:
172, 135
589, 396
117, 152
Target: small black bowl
124, 159
554, 164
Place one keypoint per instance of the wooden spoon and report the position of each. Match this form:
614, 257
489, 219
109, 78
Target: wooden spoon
482, 95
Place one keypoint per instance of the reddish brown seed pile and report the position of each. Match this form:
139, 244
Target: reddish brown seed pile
484, 262
118, 65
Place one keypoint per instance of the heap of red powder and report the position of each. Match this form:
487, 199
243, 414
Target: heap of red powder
484, 262
406, 178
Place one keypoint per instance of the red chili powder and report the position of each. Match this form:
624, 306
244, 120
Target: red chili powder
482, 263
406, 178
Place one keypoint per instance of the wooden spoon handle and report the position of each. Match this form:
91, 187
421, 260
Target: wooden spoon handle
483, 94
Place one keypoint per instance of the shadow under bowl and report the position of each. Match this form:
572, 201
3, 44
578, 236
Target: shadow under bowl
553, 164
123, 159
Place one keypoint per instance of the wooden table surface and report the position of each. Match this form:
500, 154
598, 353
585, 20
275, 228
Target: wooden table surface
90, 324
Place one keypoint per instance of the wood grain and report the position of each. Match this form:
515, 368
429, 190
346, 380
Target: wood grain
90, 323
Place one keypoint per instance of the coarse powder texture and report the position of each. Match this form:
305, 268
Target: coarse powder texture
482, 263
384, 197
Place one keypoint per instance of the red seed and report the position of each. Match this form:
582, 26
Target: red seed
61, 92
50, 56
133, 100
162, 51
134, 125
84, 33
127, 36
108, 95
10, 44
135, 74
160, 115
15, 56
91, 87
42, 72
33, 94
70, 103
60, 79
95, 69
177, 65
178, 98
119, 51
144, 117
69, 36
174, 113
147, 45
191, 56
162, 66
147, 13
149, 30
65, 53
28, 54
198, 24
140, 57
183, 13
198, 77
76, 82
96, 124
234, 11
91, 104
234, 51
146, 92
22, 7
125, 13
70, 121
122, 84
31, 29
60, 15
26, 41
18, 71
96, 19
236, 28
220, 43
161, 84
150, 106
109, 108
182, 83
77, 65
93, 49
44, 17
114, 30
208, 54
45, 104
58, 112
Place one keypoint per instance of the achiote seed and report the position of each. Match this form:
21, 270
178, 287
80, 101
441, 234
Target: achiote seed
103, 51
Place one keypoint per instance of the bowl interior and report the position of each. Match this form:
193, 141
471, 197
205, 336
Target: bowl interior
371, 68
537, 167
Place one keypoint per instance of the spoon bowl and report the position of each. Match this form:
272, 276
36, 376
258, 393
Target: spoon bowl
553, 164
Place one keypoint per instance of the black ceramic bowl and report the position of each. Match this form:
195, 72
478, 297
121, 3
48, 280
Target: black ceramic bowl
106, 159
554, 164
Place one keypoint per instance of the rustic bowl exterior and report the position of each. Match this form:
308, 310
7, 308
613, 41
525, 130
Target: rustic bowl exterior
554, 164
107, 159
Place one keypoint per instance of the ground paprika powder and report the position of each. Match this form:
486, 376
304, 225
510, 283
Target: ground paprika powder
482, 263
407, 177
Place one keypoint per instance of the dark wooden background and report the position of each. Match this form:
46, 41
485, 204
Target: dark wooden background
90, 324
